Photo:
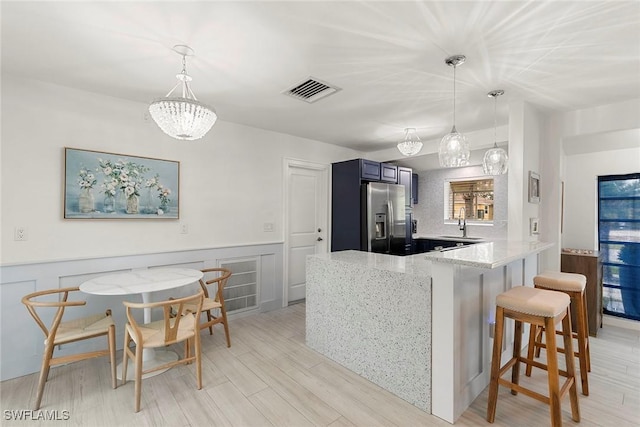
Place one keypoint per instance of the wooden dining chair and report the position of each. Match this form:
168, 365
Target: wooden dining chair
60, 332
214, 300
171, 329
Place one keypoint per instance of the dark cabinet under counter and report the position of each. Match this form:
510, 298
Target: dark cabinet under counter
423, 245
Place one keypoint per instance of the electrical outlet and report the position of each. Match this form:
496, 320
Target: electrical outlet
184, 229
20, 234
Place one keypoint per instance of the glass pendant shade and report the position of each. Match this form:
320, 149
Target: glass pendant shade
411, 144
183, 117
454, 148
496, 160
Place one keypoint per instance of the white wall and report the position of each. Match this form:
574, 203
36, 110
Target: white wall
230, 181
525, 129
581, 194
577, 147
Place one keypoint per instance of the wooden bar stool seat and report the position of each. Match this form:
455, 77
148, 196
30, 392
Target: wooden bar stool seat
574, 286
540, 308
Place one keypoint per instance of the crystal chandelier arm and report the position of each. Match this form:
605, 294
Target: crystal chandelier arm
171, 91
190, 93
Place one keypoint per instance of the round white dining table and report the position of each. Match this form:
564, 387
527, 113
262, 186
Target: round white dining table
143, 282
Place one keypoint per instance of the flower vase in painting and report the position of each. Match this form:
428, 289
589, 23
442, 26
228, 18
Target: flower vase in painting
109, 204
86, 181
163, 195
133, 204
86, 201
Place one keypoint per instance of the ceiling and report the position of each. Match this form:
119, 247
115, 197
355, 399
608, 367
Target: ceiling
387, 57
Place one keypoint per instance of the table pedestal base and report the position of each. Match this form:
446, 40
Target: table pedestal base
161, 357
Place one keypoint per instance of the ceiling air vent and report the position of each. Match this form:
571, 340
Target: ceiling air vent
311, 90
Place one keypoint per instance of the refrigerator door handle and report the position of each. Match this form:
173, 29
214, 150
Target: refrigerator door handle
391, 221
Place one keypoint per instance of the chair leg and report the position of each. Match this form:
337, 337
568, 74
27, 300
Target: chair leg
553, 374
570, 364
198, 356
223, 313
138, 385
586, 330
112, 355
44, 373
517, 345
125, 356
582, 334
538, 339
533, 331
209, 318
495, 365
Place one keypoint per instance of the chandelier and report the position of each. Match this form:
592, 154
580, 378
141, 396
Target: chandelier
183, 117
496, 161
454, 148
411, 144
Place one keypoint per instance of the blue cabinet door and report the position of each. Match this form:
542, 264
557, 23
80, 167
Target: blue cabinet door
414, 188
388, 173
369, 170
404, 178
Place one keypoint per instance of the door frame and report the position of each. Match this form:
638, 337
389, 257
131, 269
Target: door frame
289, 163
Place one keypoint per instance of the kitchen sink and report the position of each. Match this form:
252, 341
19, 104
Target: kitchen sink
461, 238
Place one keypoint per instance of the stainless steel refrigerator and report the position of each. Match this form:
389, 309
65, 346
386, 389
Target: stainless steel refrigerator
384, 226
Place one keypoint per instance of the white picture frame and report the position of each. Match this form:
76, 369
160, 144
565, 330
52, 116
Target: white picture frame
534, 187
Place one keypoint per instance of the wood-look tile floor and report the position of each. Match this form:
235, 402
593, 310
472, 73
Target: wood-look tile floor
270, 378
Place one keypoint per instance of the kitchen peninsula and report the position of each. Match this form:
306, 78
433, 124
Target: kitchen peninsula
419, 326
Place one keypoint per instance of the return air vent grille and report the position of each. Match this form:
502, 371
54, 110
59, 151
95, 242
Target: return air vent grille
243, 287
311, 90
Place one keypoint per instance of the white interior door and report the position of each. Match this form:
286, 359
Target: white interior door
307, 212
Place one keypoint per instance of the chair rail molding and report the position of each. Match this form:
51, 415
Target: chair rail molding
21, 341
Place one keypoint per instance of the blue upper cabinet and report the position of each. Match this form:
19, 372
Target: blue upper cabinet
414, 188
369, 170
388, 173
404, 178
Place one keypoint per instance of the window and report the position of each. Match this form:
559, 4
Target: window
471, 199
619, 242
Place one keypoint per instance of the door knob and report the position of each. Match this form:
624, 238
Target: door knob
319, 239
319, 230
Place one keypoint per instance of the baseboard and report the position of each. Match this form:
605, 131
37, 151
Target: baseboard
620, 323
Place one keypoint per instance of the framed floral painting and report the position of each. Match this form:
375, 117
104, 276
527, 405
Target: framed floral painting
117, 186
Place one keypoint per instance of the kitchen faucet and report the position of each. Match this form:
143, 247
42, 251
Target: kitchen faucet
462, 221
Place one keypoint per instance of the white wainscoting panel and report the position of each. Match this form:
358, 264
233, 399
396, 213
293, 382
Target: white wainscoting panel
22, 341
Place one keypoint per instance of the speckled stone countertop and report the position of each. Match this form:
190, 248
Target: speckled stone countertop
489, 254
411, 264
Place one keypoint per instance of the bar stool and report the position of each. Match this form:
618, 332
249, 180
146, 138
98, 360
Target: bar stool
573, 285
541, 308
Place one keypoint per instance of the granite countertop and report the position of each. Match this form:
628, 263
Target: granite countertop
488, 255
410, 264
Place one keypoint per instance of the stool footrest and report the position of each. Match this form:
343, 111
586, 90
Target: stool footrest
558, 349
542, 366
527, 392
518, 388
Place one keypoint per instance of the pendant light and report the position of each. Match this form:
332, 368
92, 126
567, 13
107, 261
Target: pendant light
454, 148
411, 144
183, 117
496, 161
